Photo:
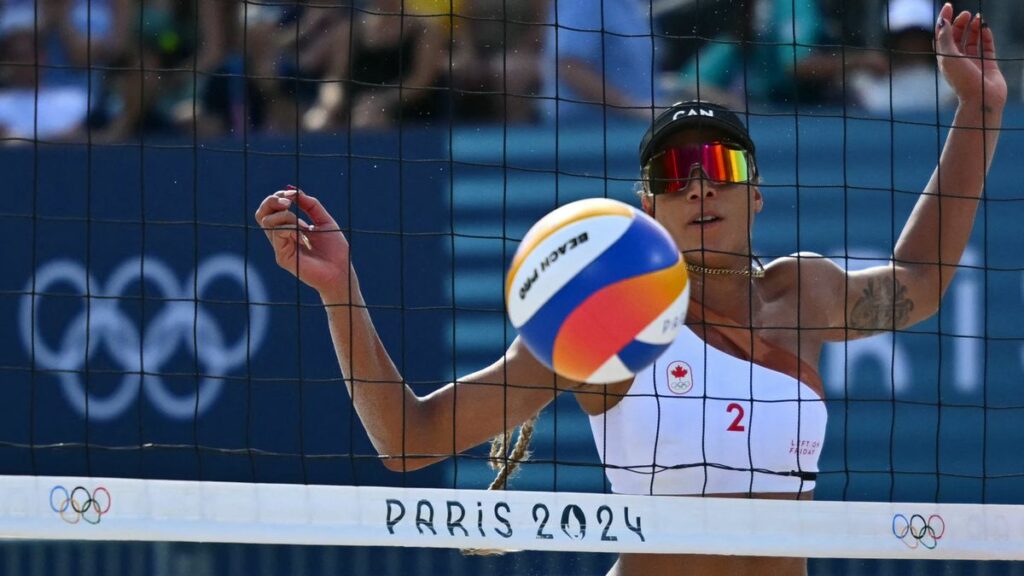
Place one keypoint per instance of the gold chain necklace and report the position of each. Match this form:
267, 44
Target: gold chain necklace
751, 272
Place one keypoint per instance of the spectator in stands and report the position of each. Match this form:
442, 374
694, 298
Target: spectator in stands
309, 46
387, 66
242, 55
217, 103
288, 49
597, 62
154, 73
83, 33
242, 79
686, 26
914, 84
51, 47
772, 57
495, 71
61, 109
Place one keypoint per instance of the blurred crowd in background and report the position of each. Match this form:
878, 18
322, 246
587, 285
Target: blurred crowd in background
118, 70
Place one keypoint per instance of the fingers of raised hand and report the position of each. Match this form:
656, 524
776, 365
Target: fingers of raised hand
966, 35
285, 227
947, 36
946, 12
972, 37
279, 201
315, 210
988, 42
960, 27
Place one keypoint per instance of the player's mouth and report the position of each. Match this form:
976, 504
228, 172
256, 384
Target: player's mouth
706, 221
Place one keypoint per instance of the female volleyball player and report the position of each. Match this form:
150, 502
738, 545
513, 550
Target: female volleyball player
759, 331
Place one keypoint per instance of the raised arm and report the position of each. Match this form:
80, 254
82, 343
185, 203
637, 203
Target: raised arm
408, 430
908, 290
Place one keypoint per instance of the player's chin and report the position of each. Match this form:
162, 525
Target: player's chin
711, 245
704, 237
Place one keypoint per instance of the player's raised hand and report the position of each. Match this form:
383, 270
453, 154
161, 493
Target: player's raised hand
316, 251
966, 51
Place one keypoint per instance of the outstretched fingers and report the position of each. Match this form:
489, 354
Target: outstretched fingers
965, 35
966, 46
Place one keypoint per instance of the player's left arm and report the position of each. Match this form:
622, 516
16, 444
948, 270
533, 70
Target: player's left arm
909, 288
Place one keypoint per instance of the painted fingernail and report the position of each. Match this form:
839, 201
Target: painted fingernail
305, 241
289, 192
290, 187
311, 227
284, 201
942, 21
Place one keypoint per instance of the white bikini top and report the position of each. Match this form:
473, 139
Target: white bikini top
700, 421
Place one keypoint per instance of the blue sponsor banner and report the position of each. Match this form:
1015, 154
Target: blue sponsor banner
148, 331
200, 358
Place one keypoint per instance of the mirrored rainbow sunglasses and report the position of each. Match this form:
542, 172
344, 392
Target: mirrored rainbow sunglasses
672, 168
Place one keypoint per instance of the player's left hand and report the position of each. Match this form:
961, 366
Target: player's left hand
316, 251
966, 52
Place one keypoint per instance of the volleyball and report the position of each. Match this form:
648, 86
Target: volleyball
597, 290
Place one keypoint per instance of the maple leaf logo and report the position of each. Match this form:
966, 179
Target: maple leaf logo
680, 381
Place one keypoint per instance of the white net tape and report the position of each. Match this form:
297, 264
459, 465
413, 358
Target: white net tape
57, 508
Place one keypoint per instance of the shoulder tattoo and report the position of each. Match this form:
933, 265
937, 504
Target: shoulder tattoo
884, 305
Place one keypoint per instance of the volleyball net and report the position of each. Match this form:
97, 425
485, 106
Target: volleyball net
166, 381
54, 508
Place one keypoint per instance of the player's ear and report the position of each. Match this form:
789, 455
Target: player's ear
646, 198
758, 198
647, 203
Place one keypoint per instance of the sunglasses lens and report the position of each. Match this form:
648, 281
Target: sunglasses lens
670, 170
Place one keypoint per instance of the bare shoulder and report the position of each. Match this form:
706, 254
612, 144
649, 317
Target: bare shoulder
809, 273
807, 286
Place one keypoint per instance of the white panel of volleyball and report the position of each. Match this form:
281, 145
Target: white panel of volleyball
70, 508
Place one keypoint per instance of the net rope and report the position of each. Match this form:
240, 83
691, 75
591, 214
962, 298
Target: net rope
164, 371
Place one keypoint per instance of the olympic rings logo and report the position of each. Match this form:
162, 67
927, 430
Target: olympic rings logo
80, 504
182, 320
917, 531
